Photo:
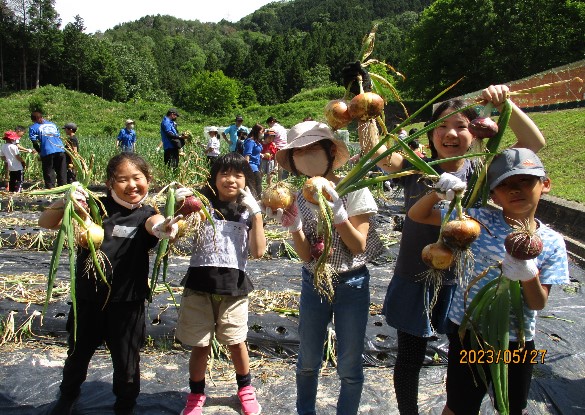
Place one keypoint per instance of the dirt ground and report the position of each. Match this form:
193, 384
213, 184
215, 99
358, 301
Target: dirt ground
30, 371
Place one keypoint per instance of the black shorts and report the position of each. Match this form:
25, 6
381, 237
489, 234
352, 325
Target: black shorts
466, 390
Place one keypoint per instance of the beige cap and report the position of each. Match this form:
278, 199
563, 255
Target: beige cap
309, 132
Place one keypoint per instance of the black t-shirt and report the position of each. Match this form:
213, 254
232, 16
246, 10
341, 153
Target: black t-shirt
126, 246
220, 280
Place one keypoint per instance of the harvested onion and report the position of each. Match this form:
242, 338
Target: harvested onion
277, 196
437, 256
337, 114
190, 205
460, 233
483, 127
366, 106
523, 243
314, 185
90, 230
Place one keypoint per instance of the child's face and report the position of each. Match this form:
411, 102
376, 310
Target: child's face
228, 185
311, 160
451, 138
519, 195
129, 183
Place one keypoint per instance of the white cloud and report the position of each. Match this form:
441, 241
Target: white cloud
105, 14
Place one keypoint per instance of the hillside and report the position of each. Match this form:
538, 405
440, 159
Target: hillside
99, 122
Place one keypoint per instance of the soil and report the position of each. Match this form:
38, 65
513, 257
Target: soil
31, 369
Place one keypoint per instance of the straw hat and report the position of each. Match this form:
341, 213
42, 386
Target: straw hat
309, 132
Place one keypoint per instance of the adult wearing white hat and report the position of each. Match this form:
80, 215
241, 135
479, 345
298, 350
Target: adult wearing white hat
212, 150
313, 150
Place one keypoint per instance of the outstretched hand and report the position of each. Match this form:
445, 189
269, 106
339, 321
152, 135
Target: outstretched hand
166, 228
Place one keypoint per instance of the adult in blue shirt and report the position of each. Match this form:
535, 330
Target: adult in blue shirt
252, 153
232, 130
171, 140
46, 139
127, 138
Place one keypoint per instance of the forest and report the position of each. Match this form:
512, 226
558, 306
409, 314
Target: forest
286, 48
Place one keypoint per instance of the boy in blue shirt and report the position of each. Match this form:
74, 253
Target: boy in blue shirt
516, 179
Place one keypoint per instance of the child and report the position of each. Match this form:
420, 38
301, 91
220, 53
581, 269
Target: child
516, 179
72, 144
212, 150
131, 230
15, 164
215, 298
268, 153
312, 150
407, 294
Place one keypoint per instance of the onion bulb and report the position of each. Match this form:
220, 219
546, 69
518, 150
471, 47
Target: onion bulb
181, 228
483, 127
523, 243
314, 185
366, 106
337, 114
437, 256
90, 230
317, 248
190, 204
277, 196
460, 233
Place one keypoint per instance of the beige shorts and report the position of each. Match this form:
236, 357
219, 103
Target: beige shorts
203, 314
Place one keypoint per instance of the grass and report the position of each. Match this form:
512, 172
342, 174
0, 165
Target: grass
99, 122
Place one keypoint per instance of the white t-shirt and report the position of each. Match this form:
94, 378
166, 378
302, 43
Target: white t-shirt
213, 143
9, 152
280, 139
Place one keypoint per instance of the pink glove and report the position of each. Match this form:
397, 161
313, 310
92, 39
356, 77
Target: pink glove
289, 218
519, 269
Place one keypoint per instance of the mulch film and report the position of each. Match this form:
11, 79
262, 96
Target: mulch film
32, 354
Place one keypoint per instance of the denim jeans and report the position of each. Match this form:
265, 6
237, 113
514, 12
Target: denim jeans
350, 307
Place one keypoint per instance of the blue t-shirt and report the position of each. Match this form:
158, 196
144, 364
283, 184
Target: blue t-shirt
232, 131
253, 149
168, 127
127, 138
48, 137
488, 249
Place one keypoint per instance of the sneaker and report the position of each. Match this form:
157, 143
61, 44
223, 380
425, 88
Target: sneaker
194, 404
250, 405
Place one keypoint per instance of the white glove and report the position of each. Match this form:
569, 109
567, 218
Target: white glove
79, 195
448, 186
289, 218
182, 193
519, 269
339, 212
166, 228
249, 201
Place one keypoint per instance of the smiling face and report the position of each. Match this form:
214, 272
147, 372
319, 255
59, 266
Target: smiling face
129, 183
452, 138
518, 195
228, 184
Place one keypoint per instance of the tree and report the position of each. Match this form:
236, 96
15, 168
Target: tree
210, 93
75, 49
44, 31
